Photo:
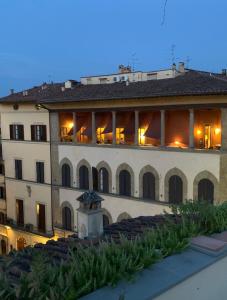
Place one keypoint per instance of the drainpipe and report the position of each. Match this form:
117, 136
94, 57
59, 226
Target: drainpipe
51, 183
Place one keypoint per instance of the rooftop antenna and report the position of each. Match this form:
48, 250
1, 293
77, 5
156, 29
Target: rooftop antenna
164, 13
50, 78
173, 47
134, 61
173, 57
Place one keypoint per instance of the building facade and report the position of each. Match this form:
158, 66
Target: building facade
141, 145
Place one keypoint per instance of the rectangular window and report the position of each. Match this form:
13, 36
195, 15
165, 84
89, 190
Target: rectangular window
16, 132
18, 169
38, 133
40, 171
20, 212
2, 169
41, 217
2, 192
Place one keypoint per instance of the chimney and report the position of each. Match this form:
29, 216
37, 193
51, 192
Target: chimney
25, 93
44, 86
181, 67
69, 84
90, 215
11, 91
123, 69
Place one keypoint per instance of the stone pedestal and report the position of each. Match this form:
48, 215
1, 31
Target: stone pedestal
90, 223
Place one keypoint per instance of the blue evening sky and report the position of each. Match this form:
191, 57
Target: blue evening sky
43, 40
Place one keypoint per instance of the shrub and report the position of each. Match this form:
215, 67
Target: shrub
88, 269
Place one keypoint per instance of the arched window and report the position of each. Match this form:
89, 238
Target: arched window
123, 216
106, 220
103, 180
3, 247
83, 178
125, 183
66, 218
149, 186
175, 189
66, 175
206, 191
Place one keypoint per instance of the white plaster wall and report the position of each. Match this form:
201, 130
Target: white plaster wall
2, 178
29, 153
2, 206
26, 118
190, 163
114, 205
132, 76
39, 194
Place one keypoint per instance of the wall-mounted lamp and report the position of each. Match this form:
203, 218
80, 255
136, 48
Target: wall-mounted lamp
198, 132
217, 130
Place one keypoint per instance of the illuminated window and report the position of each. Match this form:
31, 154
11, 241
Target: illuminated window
141, 136
100, 135
120, 137
82, 137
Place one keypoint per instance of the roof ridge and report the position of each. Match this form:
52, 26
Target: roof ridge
211, 74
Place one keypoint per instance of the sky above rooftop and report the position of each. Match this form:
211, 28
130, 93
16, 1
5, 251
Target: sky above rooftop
56, 40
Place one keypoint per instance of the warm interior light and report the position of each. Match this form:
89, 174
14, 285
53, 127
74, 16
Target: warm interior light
37, 209
217, 130
120, 136
70, 125
141, 136
100, 134
177, 143
199, 132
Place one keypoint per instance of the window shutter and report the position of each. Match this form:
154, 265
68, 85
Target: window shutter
21, 132
103, 180
66, 218
125, 183
40, 171
66, 175
33, 132
149, 186
37, 172
43, 134
41, 218
18, 169
95, 179
175, 189
63, 175
84, 178
20, 212
11, 130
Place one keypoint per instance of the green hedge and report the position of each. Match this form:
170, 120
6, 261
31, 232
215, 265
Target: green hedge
94, 267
